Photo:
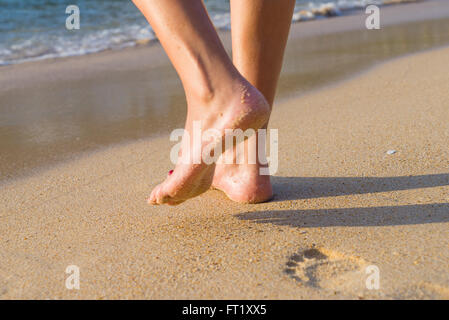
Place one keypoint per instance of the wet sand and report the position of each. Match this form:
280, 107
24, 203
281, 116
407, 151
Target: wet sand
58, 109
342, 204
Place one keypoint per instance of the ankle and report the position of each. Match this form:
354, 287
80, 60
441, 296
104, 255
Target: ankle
205, 85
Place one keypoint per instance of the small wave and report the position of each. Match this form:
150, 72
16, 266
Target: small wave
333, 9
44, 46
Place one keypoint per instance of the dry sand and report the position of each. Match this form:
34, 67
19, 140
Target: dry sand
341, 205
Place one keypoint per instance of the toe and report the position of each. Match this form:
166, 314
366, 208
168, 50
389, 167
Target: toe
162, 196
152, 199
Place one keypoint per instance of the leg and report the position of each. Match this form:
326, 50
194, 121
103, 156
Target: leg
259, 34
218, 96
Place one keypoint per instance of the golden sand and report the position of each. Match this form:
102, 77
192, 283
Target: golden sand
341, 204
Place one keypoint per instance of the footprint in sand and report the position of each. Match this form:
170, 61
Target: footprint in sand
325, 269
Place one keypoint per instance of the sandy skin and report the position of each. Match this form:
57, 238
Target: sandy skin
221, 93
248, 109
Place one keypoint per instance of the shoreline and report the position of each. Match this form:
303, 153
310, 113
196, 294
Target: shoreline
42, 170
421, 10
340, 201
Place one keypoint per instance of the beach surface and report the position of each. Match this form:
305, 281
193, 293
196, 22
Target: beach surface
343, 206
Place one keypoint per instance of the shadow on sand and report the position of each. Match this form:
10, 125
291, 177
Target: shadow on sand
292, 188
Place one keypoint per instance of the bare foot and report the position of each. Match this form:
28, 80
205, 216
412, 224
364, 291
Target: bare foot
241, 106
243, 183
